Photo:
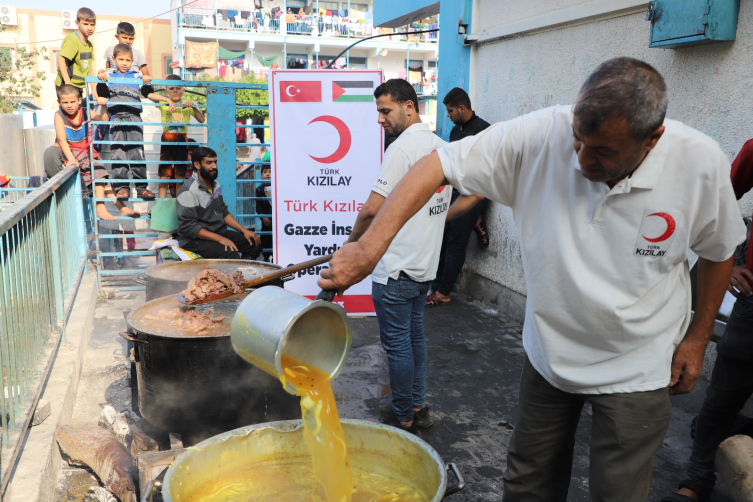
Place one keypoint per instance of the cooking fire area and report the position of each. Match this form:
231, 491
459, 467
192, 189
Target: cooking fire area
475, 359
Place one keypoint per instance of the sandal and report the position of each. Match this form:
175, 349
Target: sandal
434, 301
147, 194
123, 193
483, 236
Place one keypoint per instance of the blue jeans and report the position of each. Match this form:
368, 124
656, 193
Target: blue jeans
399, 308
730, 387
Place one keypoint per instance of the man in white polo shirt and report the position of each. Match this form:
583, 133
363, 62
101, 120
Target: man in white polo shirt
402, 277
608, 198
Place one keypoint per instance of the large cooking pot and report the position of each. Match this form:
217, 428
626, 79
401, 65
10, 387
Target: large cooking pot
196, 385
374, 447
171, 278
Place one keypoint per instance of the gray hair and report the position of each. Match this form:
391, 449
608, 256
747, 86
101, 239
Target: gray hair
622, 88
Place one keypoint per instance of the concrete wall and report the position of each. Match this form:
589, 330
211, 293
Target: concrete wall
710, 88
39, 29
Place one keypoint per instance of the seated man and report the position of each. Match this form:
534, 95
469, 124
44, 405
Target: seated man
203, 217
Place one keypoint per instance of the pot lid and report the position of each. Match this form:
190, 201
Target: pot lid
168, 317
184, 271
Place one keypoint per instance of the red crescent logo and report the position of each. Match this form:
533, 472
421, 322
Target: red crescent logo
345, 139
668, 232
441, 189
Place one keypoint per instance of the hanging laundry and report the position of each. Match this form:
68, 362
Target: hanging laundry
229, 55
223, 68
232, 13
268, 61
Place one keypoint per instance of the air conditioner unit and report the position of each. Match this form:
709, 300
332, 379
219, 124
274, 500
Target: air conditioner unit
8, 15
69, 19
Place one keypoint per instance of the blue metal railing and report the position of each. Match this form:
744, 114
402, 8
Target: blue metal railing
16, 188
42, 257
313, 24
221, 108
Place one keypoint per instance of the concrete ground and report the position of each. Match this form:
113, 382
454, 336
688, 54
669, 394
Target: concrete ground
475, 358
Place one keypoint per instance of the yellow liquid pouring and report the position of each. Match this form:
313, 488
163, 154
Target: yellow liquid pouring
328, 478
321, 428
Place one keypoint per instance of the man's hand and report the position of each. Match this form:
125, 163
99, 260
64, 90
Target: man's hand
252, 238
350, 265
102, 75
72, 163
229, 245
146, 78
739, 282
172, 107
687, 363
189, 104
101, 101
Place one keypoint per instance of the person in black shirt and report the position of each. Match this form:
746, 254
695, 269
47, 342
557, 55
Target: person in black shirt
458, 231
263, 206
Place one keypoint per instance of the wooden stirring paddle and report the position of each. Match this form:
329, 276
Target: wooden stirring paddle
259, 280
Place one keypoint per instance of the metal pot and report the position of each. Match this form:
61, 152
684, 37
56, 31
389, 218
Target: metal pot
171, 278
197, 385
314, 332
374, 447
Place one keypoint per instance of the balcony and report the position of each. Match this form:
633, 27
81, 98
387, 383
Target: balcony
292, 24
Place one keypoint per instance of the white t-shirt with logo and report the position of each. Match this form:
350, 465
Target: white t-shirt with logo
415, 249
606, 270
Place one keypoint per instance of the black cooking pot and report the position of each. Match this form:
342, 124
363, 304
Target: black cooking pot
171, 278
196, 385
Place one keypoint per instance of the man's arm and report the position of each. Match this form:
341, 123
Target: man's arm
462, 205
354, 261
211, 236
687, 362
248, 234
366, 216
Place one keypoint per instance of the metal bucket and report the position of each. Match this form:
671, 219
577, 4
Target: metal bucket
373, 447
271, 322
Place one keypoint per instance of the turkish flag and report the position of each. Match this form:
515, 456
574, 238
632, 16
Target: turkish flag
300, 92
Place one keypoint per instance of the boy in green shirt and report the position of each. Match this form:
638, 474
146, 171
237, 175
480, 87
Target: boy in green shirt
77, 53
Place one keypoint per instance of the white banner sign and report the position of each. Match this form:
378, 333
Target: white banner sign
327, 150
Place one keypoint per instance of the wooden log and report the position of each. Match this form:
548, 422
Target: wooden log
98, 449
734, 462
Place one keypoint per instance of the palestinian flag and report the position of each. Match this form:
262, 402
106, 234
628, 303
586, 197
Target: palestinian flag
353, 91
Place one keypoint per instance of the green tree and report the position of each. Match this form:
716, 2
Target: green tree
17, 79
243, 97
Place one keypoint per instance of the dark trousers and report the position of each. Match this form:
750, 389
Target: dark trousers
457, 233
731, 386
627, 429
127, 158
211, 249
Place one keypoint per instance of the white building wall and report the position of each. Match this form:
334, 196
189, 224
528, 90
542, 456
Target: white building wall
710, 89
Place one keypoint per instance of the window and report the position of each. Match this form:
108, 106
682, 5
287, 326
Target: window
168, 69
6, 58
328, 5
432, 64
55, 54
356, 62
359, 6
414, 64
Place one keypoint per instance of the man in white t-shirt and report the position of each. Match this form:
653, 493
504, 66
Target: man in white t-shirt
404, 273
608, 197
